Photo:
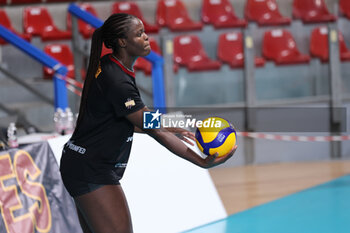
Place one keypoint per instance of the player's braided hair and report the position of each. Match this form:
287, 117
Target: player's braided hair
114, 28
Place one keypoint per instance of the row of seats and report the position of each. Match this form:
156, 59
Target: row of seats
278, 46
221, 14
17, 2
63, 54
173, 14
37, 21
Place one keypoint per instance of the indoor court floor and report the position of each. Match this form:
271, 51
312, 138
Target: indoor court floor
311, 197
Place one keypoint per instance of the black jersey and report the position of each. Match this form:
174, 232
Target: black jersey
99, 149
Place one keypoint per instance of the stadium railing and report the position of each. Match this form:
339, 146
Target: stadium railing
60, 91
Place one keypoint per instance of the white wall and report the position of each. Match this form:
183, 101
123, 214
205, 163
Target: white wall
165, 193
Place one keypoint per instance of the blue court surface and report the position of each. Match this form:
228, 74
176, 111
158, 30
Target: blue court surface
322, 209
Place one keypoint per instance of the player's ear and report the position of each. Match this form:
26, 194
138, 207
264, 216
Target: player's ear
122, 42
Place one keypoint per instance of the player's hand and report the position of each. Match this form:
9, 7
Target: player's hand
214, 160
185, 135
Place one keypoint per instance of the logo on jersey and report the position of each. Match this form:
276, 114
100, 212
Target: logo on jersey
129, 103
98, 71
75, 148
151, 120
121, 165
129, 139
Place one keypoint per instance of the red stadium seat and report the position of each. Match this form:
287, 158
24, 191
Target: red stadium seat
221, 14
85, 29
173, 14
344, 7
264, 12
189, 52
5, 21
38, 22
319, 45
61, 53
105, 50
312, 11
279, 46
25, 1
144, 65
230, 50
60, 0
133, 9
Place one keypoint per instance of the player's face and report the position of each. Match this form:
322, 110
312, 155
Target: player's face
137, 40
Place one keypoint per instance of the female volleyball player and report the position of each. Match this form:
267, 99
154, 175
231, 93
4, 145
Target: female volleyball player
94, 159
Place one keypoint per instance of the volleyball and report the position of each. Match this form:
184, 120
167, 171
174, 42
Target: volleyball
215, 135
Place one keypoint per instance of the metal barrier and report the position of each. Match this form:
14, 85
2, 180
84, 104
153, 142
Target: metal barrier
60, 91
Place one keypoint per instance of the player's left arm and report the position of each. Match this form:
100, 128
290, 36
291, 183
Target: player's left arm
183, 134
138, 130
174, 144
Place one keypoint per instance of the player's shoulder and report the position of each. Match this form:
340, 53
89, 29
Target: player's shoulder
108, 66
110, 72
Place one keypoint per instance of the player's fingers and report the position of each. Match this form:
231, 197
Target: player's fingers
233, 150
190, 135
231, 153
211, 158
187, 140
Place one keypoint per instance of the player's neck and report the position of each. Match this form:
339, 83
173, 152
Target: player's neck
124, 61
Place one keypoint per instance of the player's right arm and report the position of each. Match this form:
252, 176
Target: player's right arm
175, 145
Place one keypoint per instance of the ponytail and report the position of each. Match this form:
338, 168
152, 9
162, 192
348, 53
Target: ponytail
94, 60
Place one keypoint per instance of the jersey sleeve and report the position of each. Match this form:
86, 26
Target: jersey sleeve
124, 97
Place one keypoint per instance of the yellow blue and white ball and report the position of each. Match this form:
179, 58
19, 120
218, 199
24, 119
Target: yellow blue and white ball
216, 135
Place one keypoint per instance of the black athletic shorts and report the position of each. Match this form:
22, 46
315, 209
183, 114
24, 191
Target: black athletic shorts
77, 187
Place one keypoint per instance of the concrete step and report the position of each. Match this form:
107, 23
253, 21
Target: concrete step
37, 113
19, 63
12, 92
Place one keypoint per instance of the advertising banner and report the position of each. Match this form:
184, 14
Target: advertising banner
32, 196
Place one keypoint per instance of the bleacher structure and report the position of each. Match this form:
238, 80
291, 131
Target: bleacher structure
5, 21
280, 47
133, 8
84, 29
189, 52
37, 21
319, 45
312, 11
265, 12
63, 54
202, 39
174, 15
231, 51
221, 14
344, 7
